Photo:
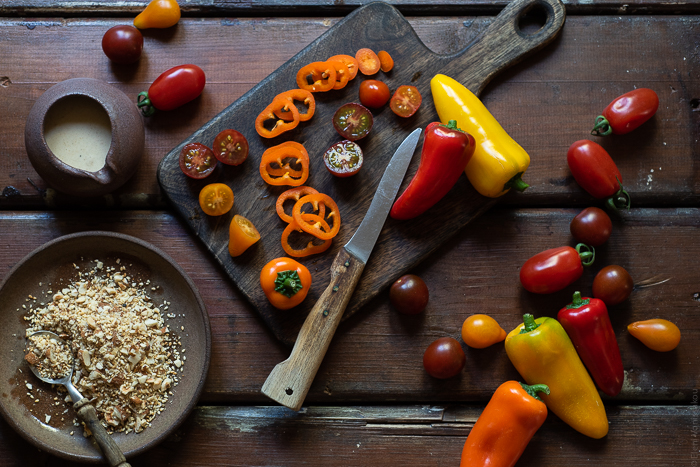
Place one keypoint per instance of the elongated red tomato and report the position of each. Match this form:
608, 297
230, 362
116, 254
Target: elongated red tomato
595, 171
173, 88
554, 269
627, 112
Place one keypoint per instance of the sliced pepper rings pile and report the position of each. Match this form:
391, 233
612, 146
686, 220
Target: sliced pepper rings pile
276, 164
314, 224
284, 113
334, 73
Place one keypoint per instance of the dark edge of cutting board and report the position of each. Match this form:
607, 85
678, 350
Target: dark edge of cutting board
402, 244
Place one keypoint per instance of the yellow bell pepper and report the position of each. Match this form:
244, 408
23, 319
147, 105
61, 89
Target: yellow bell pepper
158, 14
542, 353
498, 161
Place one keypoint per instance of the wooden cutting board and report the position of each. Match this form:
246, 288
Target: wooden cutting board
402, 244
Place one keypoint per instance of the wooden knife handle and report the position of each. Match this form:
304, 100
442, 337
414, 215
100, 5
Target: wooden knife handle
87, 413
290, 380
504, 43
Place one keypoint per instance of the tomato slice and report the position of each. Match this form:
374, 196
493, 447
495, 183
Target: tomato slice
197, 161
367, 61
241, 235
405, 101
230, 147
353, 121
343, 159
385, 61
216, 199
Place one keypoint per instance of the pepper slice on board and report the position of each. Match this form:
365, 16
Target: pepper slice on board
278, 104
311, 248
321, 74
300, 95
350, 62
316, 229
296, 193
277, 155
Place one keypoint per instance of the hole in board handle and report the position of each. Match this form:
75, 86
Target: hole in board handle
534, 18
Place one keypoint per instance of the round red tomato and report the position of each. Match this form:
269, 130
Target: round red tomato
123, 44
230, 147
405, 101
613, 285
627, 112
409, 294
353, 121
343, 159
594, 170
197, 161
444, 358
591, 226
173, 88
374, 93
554, 269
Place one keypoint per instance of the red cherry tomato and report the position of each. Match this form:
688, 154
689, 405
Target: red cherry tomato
613, 285
175, 87
409, 295
374, 93
627, 112
552, 270
444, 358
230, 147
123, 44
595, 171
591, 226
405, 101
197, 161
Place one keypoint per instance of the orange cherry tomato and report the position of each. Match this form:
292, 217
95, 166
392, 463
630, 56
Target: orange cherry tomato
385, 61
158, 14
350, 62
241, 235
657, 334
481, 331
285, 282
367, 61
216, 199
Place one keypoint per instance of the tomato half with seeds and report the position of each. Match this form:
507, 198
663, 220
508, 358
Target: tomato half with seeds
343, 159
444, 358
230, 147
374, 93
406, 101
197, 161
216, 199
353, 121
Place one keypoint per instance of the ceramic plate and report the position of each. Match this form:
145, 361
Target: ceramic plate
47, 269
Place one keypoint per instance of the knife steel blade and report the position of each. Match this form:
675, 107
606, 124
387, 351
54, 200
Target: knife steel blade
290, 380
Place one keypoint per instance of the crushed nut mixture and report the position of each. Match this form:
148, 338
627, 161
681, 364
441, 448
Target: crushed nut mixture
50, 356
127, 360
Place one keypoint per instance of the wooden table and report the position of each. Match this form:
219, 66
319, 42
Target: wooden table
372, 403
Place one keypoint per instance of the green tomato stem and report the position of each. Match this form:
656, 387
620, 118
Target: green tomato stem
144, 103
602, 127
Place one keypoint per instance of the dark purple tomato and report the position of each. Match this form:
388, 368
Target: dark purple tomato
197, 161
123, 44
591, 226
444, 358
343, 159
353, 121
613, 285
409, 294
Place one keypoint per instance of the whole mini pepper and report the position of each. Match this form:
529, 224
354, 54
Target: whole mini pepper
587, 323
542, 353
158, 14
505, 427
498, 162
285, 282
446, 152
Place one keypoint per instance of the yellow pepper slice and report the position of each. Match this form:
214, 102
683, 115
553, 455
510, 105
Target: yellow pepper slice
498, 161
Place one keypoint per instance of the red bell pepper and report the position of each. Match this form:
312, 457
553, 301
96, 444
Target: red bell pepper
587, 323
445, 154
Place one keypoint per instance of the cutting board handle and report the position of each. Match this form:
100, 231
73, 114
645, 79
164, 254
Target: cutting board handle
504, 43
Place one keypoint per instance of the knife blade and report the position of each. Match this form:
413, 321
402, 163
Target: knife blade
290, 380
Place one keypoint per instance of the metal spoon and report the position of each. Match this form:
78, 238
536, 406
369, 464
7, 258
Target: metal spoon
85, 410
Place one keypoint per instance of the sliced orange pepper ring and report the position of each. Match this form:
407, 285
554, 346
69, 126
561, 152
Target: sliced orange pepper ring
310, 248
277, 155
280, 126
241, 235
295, 194
350, 62
302, 96
321, 74
342, 74
315, 229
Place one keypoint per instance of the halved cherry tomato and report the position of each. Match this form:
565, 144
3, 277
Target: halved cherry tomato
296, 193
320, 74
353, 121
278, 104
405, 101
594, 170
197, 161
173, 88
385, 61
230, 147
554, 269
367, 61
311, 247
350, 62
627, 112
591, 226
481, 331
316, 229
343, 159
300, 95
285, 282
216, 199
374, 93
276, 155
342, 73
657, 334
242, 234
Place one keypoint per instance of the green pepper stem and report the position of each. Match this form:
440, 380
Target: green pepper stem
602, 127
533, 389
588, 255
529, 323
516, 183
288, 283
577, 301
144, 103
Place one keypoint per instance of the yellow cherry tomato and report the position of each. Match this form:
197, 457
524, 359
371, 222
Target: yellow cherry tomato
481, 331
285, 282
241, 235
216, 199
657, 334
158, 14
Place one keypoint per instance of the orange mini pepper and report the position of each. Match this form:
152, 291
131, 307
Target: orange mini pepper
506, 426
242, 234
342, 73
158, 14
285, 282
350, 62
294, 194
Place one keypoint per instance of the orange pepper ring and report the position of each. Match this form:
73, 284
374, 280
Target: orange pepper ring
310, 249
276, 154
322, 74
280, 125
342, 73
296, 193
313, 229
301, 95
350, 62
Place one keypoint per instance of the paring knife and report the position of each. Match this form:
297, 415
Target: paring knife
290, 380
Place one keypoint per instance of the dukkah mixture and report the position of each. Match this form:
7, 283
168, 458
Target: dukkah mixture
126, 358
51, 357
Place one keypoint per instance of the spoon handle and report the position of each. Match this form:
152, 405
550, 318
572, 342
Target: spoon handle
88, 414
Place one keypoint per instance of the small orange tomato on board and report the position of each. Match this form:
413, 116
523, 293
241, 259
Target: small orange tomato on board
158, 14
481, 331
367, 61
385, 61
242, 234
285, 282
216, 199
657, 334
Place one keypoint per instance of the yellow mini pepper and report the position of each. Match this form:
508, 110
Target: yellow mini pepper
498, 161
542, 353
